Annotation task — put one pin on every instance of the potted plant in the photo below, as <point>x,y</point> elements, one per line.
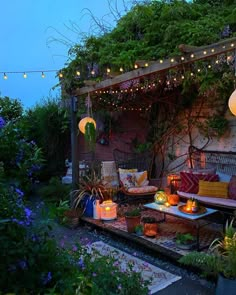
<point>219,262</point>
<point>91,188</point>
<point>185,241</point>
<point>133,218</point>
<point>150,226</point>
<point>139,230</point>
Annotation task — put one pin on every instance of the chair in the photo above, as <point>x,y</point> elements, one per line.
<point>140,162</point>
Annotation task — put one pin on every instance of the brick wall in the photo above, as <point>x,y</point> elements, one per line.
<point>132,125</point>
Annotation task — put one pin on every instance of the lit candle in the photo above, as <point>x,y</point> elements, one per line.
<point>167,204</point>
<point>189,209</point>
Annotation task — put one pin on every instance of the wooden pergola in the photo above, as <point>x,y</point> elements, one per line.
<point>189,54</point>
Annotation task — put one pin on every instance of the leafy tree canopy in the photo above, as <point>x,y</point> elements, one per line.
<point>152,30</point>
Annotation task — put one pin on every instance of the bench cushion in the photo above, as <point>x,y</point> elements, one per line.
<point>228,203</point>
<point>143,189</point>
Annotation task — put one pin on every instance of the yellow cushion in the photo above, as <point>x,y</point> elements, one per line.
<point>127,170</point>
<point>213,189</point>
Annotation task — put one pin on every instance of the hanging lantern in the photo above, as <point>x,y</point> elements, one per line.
<point>232,103</point>
<point>160,197</point>
<point>84,121</point>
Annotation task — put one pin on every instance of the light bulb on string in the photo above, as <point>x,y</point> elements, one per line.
<point>60,75</point>
<point>24,75</point>
<point>121,70</point>
<point>78,73</point>
<point>43,75</point>
<point>5,76</point>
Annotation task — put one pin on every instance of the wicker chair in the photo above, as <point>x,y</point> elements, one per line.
<point>141,162</point>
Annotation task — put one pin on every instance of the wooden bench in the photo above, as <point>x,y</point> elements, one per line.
<point>225,165</point>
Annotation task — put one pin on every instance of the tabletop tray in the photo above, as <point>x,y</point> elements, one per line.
<point>200,211</point>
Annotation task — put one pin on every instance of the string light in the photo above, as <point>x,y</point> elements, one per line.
<point>227,47</point>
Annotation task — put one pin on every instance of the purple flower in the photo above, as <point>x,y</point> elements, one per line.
<point>74,248</point>
<point>94,274</point>
<point>2,122</point>
<point>81,263</point>
<point>47,278</point>
<point>22,264</point>
<point>19,192</point>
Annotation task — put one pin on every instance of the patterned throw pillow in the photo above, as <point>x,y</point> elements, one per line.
<point>190,182</point>
<point>213,189</point>
<point>127,179</point>
<point>232,187</point>
<point>141,178</point>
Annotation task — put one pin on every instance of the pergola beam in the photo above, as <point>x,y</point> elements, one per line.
<point>199,53</point>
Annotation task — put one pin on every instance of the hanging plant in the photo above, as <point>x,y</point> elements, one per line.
<point>90,135</point>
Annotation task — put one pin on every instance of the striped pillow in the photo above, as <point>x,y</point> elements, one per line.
<point>213,189</point>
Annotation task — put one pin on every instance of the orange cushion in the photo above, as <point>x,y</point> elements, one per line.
<point>213,189</point>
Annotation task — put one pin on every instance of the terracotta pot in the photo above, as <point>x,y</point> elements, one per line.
<point>131,222</point>
<point>150,229</point>
<point>173,199</point>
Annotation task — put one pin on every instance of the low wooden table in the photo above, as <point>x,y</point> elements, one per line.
<point>197,219</point>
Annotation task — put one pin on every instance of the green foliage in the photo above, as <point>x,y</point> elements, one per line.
<point>214,126</point>
<point>21,157</point>
<point>150,31</point>
<point>90,135</point>
<point>148,219</point>
<point>55,191</point>
<point>32,262</point>
<point>222,258</point>
<point>184,239</point>
<point>10,109</point>
<point>48,125</point>
<point>133,212</point>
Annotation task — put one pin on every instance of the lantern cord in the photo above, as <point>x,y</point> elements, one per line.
<point>89,106</point>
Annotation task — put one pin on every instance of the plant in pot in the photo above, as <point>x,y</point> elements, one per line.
<point>139,230</point>
<point>150,226</point>
<point>91,188</point>
<point>185,241</point>
<point>219,262</point>
<point>132,218</point>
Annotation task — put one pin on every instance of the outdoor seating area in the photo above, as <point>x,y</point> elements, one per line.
<point>125,181</point>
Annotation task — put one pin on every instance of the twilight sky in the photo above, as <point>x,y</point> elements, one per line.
<point>27,29</point>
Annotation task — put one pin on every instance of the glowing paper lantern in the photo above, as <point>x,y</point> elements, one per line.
<point>84,121</point>
<point>232,103</point>
<point>108,210</point>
